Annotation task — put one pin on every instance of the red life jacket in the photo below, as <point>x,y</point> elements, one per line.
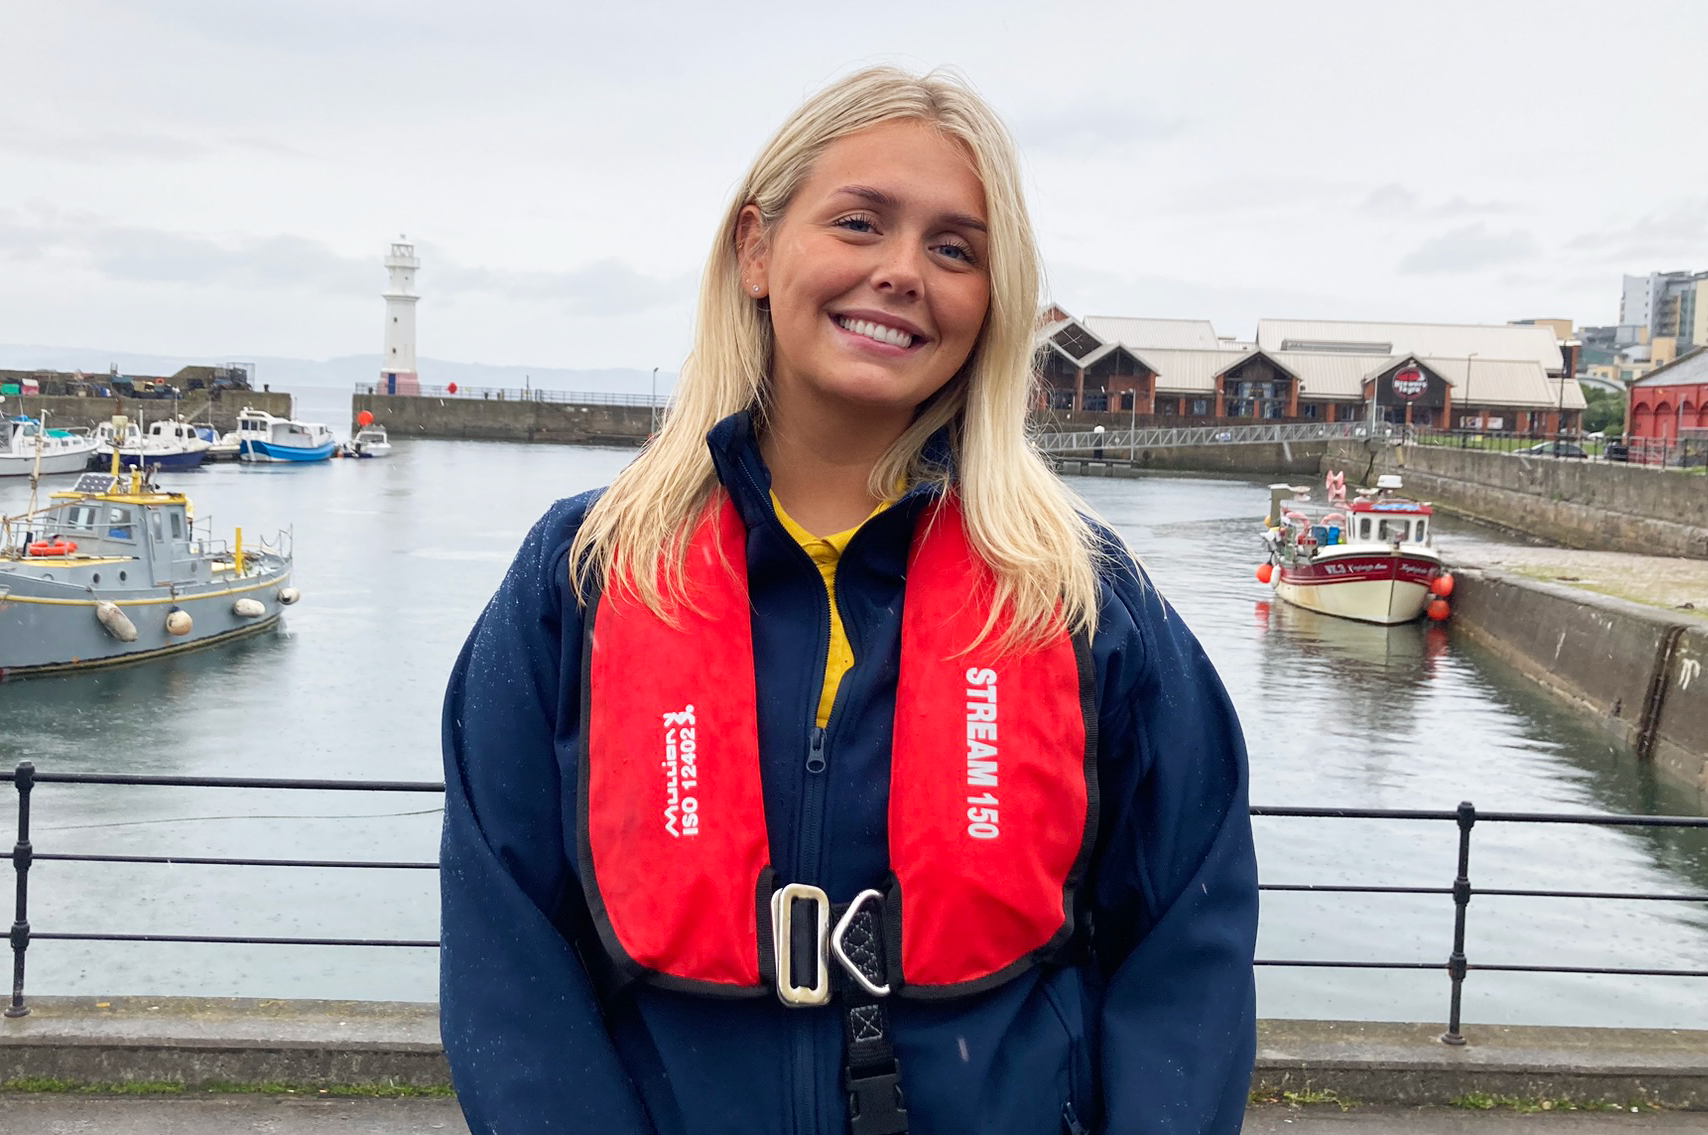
<point>992,806</point>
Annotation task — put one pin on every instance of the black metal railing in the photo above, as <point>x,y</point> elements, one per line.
<point>1457,965</point>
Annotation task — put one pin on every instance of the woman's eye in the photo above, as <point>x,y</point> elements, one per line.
<point>857,224</point>
<point>957,252</point>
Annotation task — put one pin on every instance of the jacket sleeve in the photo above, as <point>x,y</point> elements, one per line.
<point>1175,890</point>
<point>528,1048</point>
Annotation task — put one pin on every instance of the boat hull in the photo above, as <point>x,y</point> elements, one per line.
<point>165,462</point>
<point>48,627</point>
<point>250,449</point>
<point>71,461</point>
<point>1371,585</point>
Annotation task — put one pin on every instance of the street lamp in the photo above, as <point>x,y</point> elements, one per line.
<point>654,404</point>
<point>1468,359</point>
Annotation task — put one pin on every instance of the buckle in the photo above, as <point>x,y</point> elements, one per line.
<point>875,1104</point>
<point>782,939</point>
<point>839,936</point>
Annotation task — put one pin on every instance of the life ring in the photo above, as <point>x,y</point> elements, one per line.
<point>53,547</point>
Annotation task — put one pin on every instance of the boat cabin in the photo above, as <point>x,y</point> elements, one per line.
<point>1388,521</point>
<point>118,520</point>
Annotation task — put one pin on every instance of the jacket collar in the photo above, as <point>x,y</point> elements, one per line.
<point>734,446</point>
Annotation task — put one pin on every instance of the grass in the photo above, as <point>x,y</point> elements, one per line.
<point>1306,1096</point>
<point>1483,1101</point>
<point>222,1087</point>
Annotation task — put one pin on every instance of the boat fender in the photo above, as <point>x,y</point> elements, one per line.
<point>116,622</point>
<point>178,622</point>
<point>289,595</point>
<point>248,608</point>
<point>1438,610</point>
<point>1442,585</point>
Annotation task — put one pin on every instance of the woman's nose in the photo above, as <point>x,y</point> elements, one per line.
<point>900,269</point>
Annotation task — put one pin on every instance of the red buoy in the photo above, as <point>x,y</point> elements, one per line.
<point>1442,585</point>
<point>1438,610</point>
<point>365,418</point>
<point>1265,572</point>
<point>451,389</point>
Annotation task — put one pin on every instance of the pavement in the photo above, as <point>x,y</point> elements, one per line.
<point>1670,582</point>
<point>22,1114</point>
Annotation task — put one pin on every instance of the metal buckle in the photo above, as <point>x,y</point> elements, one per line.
<point>841,932</point>
<point>782,917</point>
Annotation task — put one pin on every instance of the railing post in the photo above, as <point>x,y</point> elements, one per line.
<point>1456,964</point>
<point>21,854</point>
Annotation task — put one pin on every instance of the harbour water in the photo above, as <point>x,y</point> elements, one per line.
<point>396,557</point>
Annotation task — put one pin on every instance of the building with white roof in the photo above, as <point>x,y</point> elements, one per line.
<point>1511,376</point>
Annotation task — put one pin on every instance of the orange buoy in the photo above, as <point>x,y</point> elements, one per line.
<point>1438,610</point>
<point>1442,585</point>
<point>365,418</point>
<point>1265,572</point>
<point>53,547</point>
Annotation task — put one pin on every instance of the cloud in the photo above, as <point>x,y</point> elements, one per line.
<point>1093,126</point>
<point>1395,200</point>
<point>1677,233</point>
<point>1468,248</point>
<point>104,147</point>
<point>605,287</point>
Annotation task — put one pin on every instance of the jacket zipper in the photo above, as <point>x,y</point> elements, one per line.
<point>1070,1121</point>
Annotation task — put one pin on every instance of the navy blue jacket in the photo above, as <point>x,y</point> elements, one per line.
<point>1157,1034</point>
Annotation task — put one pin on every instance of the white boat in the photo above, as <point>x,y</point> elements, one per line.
<point>263,437</point>
<point>176,431</point>
<point>1370,560</point>
<point>370,441</point>
<point>139,451</point>
<point>23,440</point>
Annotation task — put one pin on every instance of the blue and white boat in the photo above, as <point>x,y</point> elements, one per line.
<point>263,437</point>
<point>158,451</point>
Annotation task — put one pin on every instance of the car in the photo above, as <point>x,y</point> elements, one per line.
<point>1554,449</point>
<point>1616,451</point>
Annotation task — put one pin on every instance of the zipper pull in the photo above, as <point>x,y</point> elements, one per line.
<point>1070,1121</point>
<point>815,750</point>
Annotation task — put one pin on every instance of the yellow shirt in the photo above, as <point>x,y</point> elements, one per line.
<point>826,552</point>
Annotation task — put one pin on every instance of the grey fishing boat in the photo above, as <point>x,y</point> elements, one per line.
<point>116,570</point>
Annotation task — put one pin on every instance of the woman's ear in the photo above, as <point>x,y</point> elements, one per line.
<point>752,250</point>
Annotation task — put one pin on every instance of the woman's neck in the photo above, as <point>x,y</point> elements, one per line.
<point>821,469</point>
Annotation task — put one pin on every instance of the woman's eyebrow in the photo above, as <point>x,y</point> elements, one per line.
<point>884,200</point>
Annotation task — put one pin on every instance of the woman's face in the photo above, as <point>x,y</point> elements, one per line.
<point>876,273</point>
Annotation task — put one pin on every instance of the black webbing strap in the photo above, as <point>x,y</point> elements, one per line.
<point>871,1076</point>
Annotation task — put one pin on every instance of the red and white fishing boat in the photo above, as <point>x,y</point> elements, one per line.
<point>1369,560</point>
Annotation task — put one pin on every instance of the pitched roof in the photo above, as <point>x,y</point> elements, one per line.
<point>1165,334</point>
<point>1426,340</point>
<point>1191,372</point>
<point>1684,371</point>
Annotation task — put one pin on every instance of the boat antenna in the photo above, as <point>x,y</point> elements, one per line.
<point>36,470</point>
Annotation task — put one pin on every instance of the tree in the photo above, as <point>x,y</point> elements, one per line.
<point>1605,412</point>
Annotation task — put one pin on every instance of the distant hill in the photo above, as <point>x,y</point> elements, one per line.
<point>343,373</point>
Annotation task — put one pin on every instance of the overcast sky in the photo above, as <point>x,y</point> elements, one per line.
<point>221,177</point>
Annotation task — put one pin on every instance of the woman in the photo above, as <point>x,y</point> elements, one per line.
<point>713,859</point>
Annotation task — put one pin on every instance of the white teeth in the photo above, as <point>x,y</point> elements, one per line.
<point>876,331</point>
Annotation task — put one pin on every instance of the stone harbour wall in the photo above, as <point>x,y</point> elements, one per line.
<point>85,413</point>
<point>1581,504</point>
<point>490,419</point>
<point>1637,670</point>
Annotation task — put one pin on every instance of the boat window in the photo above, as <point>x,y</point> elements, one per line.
<point>1393,529</point>
<point>159,526</point>
<point>81,517</point>
<point>177,526</point>
<point>118,523</point>
<point>1421,526</point>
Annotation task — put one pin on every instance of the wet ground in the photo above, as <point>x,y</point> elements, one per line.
<point>1660,581</point>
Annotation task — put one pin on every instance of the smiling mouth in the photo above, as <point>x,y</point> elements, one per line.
<point>877,332</point>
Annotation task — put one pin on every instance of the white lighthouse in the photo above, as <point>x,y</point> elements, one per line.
<point>397,366</point>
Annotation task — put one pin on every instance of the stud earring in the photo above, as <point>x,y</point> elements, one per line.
<point>756,289</point>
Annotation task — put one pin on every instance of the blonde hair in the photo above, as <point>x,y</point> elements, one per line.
<point>1017,514</point>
